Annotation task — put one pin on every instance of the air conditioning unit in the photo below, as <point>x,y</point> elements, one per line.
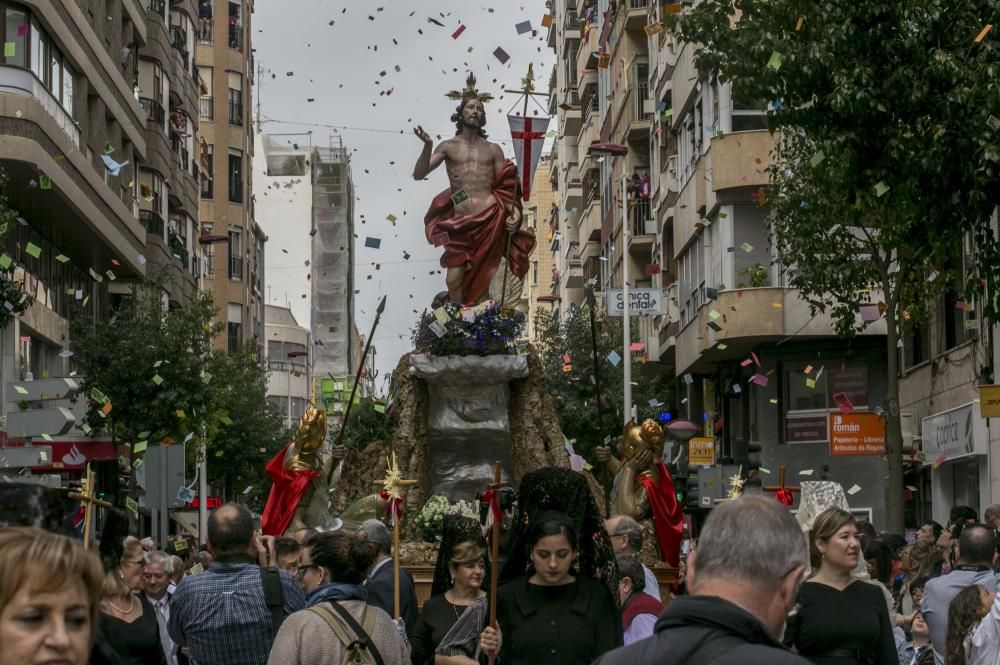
<point>906,424</point>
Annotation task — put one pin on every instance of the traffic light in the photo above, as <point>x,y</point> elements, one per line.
<point>746,454</point>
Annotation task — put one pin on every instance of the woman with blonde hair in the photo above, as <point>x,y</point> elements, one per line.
<point>128,632</point>
<point>49,592</point>
<point>841,620</point>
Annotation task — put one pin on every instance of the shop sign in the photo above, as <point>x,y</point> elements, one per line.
<point>952,434</point>
<point>806,428</point>
<point>701,451</point>
<point>857,434</point>
<point>989,401</point>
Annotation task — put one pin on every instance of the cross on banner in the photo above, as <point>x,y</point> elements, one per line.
<point>528,135</point>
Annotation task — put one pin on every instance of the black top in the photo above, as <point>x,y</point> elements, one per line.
<point>830,624</point>
<point>123,643</point>
<point>435,620</point>
<point>380,587</point>
<point>557,625</point>
<point>690,622</point>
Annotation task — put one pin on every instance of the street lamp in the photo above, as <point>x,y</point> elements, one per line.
<point>619,150</point>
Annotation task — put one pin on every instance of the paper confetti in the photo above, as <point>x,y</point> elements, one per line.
<point>523,27</point>
<point>982,33</point>
<point>854,489</point>
<point>614,358</point>
<point>501,55</point>
<point>746,247</point>
<point>157,379</point>
<point>139,447</point>
<point>806,472</point>
<point>881,188</point>
<point>9,49</point>
<point>373,243</point>
<point>458,33</point>
<point>774,62</point>
<point>32,250</point>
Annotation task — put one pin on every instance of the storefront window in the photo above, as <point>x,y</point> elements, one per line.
<point>814,390</point>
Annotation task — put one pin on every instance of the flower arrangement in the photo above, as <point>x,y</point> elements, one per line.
<point>483,330</point>
<point>432,515</point>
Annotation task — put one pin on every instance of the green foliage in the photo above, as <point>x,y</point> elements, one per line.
<point>13,298</point>
<point>754,276</point>
<point>147,362</point>
<point>367,423</point>
<point>575,393</point>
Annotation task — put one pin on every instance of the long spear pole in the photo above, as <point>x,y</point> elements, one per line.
<point>357,379</point>
<point>592,305</point>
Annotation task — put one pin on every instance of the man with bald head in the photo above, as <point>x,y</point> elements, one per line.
<point>221,615</point>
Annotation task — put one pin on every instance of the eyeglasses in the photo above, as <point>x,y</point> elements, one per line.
<point>141,563</point>
<point>300,572</point>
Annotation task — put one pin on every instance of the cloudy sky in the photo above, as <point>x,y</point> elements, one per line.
<point>372,69</point>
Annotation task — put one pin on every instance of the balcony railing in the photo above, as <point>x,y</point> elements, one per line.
<point>235,113</point>
<point>152,221</point>
<point>236,36</point>
<point>638,4</point>
<point>206,31</point>
<point>154,111</point>
<point>180,253</point>
<point>641,212</point>
<point>205,108</point>
<point>178,39</point>
<point>157,7</point>
<point>236,268</point>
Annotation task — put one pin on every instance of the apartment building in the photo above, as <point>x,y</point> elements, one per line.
<point>166,81</point>
<point>541,285</point>
<point>289,379</point>
<point>233,241</point>
<point>641,127</point>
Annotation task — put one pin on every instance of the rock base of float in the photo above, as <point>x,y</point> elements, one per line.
<point>426,407</point>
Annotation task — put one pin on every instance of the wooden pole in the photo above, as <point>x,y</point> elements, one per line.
<point>393,485</point>
<point>88,501</point>
<point>495,550</point>
<point>396,613</point>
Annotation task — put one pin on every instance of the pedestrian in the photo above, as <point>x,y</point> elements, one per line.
<point>228,615</point>
<point>974,566</point>
<point>147,544</point>
<point>841,620</point>
<point>178,573</point>
<point>155,586</point>
<point>742,579</point>
<point>287,552</point>
<point>626,538</point>
<point>380,581</point>
<point>917,651</point>
<point>973,628</point>
<point>991,515</point>
<point>128,632</point>
<point>639,609</point>
<point>333,567</point>
<point>50,589</point>
<point>457,590</point>
<point>929,531</point>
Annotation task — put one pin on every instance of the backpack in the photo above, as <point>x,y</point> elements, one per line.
<point>357,651</point>
<point>274,595</point>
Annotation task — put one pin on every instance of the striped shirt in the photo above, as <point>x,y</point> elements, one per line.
<point>221,615</point>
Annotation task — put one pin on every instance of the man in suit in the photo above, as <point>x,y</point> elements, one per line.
<point>156,577</point>
<point>380,583</point>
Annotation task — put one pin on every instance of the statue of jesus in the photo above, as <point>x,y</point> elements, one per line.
<point>478,219</point>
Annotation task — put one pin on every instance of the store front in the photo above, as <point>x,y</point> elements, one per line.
<point>955,445</point>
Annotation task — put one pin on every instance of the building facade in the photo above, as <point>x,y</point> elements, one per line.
<point>232,240</point>
<point>289,380</point>
<point>658,165</point>
<point>541,285</point>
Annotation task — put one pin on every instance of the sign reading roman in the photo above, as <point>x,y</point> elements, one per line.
<point>857,434</point>
<point>642,302</point>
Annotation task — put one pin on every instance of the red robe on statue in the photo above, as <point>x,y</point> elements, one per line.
<point>667,515</point>
<point>287,490</point>
<point>480,239</point>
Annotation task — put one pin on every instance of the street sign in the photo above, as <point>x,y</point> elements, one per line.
<point>25,456</point>
<point>36,422</point>
<point>43,389</point>
<point>642,302</point>
<point>701,451</point>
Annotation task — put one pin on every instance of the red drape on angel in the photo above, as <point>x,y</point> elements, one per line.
<point>287,490</point>
<point>480,239</point>
<point>667,515</point>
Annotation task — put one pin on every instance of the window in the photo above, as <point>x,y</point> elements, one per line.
<point>916,344</point>
<point>691,267</point>
<point>747,113</point>
<point>208,250</point>
<point>16,36</point>
<point>39,50</point>
<point>235,254</point>
<point>235,98</point>
<point>235,26</point>
<point>641,90</point>
<point>813,390</point>
<point>206,82</point>
<point>234,333</point>
<point>208,163</point>
<point>235,175</point>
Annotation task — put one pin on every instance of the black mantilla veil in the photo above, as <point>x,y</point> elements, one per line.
<point>455,530</point>
<point>560,490</point>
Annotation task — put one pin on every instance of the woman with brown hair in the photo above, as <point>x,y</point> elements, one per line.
<point>128,632</point>
<point>841,620</point>
<point>973,628</point>
<point>49,592</point>
<point>458,588</point>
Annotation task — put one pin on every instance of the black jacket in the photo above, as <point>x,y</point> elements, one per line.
<point>688,621</point>
<point>380,594</point>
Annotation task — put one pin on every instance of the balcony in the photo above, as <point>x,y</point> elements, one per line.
<point>152,221</point>
<point>236,37</point>
<point>572,113</point>
<point>17,81</point>
<point>236,268</point>
<point>592,272</point>
<point>590,221</point>
<point>735,159</point>
<point>637,15</point>
<point>206,31</point>
<point>236,113</point>
<point>157,7</point>
<point>571,26</point>
<point>154,111</point>
<point>206,107</point>
<point>179,40</point>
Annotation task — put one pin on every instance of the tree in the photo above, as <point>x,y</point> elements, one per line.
<point>574,392</point>
<point>150,374</point>
<point>367,423</point>
<point>887,156</point>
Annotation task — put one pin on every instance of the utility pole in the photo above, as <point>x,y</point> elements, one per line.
<point>627,314</point>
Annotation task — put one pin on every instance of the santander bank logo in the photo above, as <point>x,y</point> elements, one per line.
<point>74,457</point>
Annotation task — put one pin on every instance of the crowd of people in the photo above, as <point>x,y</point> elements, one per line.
<point>572,589</point>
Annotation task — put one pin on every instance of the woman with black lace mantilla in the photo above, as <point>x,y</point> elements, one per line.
<point>456,594</point>
<point>557,601</point>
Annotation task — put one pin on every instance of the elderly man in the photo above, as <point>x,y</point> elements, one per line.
<point>155,580</point>
<point>977,552</point>
<point>626,538</point>
<point>380,584</point>
<point>743,578</point>
<point>991,515</point>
